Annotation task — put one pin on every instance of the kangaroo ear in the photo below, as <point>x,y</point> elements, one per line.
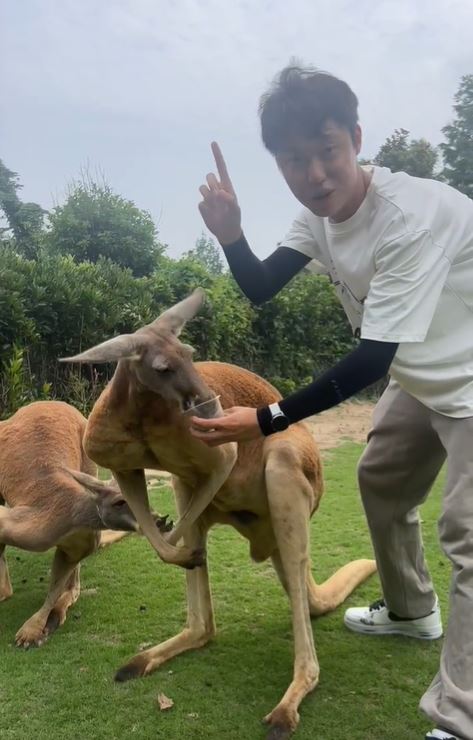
<point>99,488</point>
<point>123,347</point>
<point>176,317</point>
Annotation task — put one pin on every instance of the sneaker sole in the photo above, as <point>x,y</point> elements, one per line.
<point>366,629</point>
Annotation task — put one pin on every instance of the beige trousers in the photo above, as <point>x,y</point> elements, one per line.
<point>406,449</point>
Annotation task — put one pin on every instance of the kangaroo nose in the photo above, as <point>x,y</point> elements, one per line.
<point>187,403</point>
<point>207,409</point>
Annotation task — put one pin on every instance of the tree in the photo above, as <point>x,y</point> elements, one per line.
<point>458,150</point>
<point>417,157</point>
<point>208,255</point>
<point>95,222</point>
<point>25,220</point>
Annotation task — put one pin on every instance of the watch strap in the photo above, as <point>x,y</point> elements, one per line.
<point>265,418</point>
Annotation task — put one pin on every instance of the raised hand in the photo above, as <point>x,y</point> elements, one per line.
<point>219,207</point>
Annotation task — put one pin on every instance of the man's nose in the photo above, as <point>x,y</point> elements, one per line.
<point>316,172</point>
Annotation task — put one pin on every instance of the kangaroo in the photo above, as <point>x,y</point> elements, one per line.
<point>266,489</point>
<point>45,505</point>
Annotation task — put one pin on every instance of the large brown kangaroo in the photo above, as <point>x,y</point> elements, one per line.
<point>267,489</point>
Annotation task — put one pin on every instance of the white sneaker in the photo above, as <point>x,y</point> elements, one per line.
<point>376,619</point>
<point>438,734</point>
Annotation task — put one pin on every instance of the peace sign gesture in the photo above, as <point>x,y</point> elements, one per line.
<point>219,207</point>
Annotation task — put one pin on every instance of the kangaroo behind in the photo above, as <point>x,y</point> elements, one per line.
<point>46,506</point>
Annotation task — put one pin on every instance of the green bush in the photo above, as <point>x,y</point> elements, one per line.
<point>54,307</point>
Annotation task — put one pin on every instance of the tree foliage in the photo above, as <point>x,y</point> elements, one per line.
<point>95,222</point>
<point>208,254</point>
<point>457,151</point>
<point>417,157</point>
<point>25,220</point>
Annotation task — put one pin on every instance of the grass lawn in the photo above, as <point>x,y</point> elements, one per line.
<point>369,687</point>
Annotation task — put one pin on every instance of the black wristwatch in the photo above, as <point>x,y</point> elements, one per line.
<point>279,421</point>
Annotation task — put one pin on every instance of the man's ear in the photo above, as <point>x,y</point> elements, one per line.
<point>357,138</point>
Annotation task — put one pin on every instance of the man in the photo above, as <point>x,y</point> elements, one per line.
<point>399,251</point>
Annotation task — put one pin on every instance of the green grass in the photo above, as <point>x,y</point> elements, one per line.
<point>369,687</point>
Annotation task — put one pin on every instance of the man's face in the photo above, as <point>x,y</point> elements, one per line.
<point>322,172</point>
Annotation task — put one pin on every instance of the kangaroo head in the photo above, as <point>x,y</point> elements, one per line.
<point>113,511</point>
<point>157,359</point>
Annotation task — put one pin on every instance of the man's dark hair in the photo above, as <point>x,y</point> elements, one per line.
<point>300,101</point>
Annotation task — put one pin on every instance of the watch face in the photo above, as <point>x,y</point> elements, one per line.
<point>280,423</point>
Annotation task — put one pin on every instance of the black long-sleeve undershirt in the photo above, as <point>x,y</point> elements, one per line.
<point>369,362</point>
<point>260,280</point>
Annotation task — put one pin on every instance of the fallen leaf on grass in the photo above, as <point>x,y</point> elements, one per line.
<point>164,702</point>
<point>145,646</point>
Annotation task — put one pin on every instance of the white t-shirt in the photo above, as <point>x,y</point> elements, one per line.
<point>402,267</point>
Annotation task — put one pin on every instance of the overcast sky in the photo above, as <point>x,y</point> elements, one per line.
<point>136,89</point>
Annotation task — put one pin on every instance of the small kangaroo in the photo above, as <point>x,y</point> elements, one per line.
<point>46,505</point>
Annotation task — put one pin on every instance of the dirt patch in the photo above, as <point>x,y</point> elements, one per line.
<point>349,421</point>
